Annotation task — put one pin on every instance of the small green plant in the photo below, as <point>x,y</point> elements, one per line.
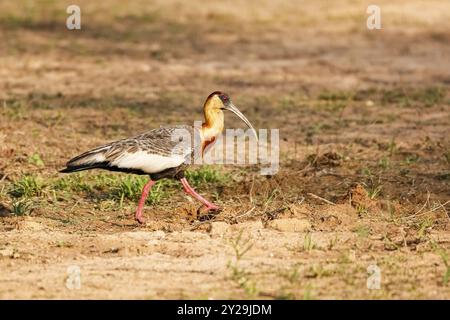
<point>374,192</point>
<point>444,256</point>
<point>63,244</point>
<point>27,186</point>
<point>117,187</point>
<point>430,96</point>
<point>317,271</point>
<point>242,278</point>
<point>332,243</point>
<point>308,243</point>
<point>335,96</point>
<point>373,186</point>
<point>292,275</point>
<point>15,109</point>
<point>205,174</point>
<point>334,106</point>
<point>397,96</point>
<point>238,274</point>
<point>424,225</point>
<point>274,193</point>
<point>411,159</point>
<point>22,208</point>
<point>392,147</point>
<point>361,210</point>
<point>241,245</point>
<point>363,231</point>
<point>36,160</point>
<point>157,193</point>
<point>131,188</point>
<point>307,293</point>
<point>73,183</point>
<point>384,163</point>
<point>367,172</point>
<point>407,98</point>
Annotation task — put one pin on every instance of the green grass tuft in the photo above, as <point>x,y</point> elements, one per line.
<point>22,208</point>
<point>335,96</point>
<point>118,187</point>
<point>445,260</point>
<point>36,160</point>
<point>205,174</point>
<point>130,188</point>
<point>430,96</point>
<point>407,98</point>
<point>27,186</point>
<point>73,183</point>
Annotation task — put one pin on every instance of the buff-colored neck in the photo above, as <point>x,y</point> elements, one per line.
<point>214,120</point>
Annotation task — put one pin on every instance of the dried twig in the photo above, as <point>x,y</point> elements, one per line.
<point>246,213</point>
<point>424,205</point>
<point>4,177</point>
<point>320,198</point>
<point>434,209</point>
<point>418,214</point>
<point>250,193</point>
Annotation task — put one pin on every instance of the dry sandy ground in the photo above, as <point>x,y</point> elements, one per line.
<point>364,180</point>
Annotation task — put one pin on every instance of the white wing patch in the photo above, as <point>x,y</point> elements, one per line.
<point>149,163</point>
<point>89,159</point>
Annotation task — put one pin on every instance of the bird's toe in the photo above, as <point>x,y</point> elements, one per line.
<point>208,212</point>
<point>141,220</point>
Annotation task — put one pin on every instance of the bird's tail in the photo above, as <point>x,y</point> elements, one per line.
<point>91,159</point>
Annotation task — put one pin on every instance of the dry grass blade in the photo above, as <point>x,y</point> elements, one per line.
<point>320,198</point>
<point>424,205</point>
<point>246,213</point>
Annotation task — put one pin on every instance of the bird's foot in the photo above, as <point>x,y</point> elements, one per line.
<point>139,218</point>
<point>208,212</point>
<point>213,207</point>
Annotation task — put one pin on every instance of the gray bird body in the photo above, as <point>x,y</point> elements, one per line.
<point>164,152</point>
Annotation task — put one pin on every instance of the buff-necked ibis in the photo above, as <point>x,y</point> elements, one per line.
<point>158,154</point>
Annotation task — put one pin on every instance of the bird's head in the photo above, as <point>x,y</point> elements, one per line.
<point>219,101</point>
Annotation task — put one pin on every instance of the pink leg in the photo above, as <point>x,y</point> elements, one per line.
<point>141,204</point>
<point>191,191</point>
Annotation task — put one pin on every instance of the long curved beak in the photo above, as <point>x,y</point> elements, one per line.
<point>231,107</point>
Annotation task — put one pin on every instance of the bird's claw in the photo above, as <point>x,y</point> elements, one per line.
<point>140,219</point>
<point>213,208</point>
<point>208,213</point>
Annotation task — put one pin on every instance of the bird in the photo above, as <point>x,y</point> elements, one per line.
<point>164,152</point>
